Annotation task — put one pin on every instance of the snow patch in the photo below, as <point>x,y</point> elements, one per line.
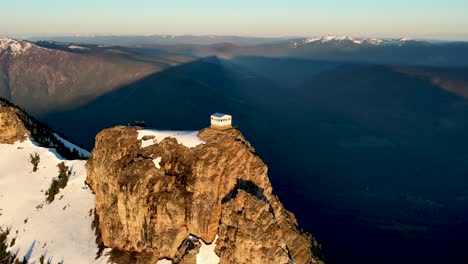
<point>77,47</point>
<point>61,229</point>
<point>164,261</point>
<point>207,254</point>
<point>309,40</point>
<point>375,41</point>
<point>189,139</point>
<point>69,145</point>
<point>156,162</point>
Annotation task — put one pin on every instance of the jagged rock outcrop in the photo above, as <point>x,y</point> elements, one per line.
<point>13,123</point>
<point>17,125</point>
<point>219,188</point>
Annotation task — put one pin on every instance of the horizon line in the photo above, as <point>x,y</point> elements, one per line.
<point>92,35</point>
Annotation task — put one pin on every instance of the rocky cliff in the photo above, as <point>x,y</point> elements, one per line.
<point>17,125</point>
<point>14,123</point>
<point>157,201</point>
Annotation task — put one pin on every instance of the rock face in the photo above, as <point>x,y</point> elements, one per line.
<point>13,124</point>
<point>219,188</point>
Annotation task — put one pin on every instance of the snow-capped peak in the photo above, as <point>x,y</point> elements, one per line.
<point>375,41</point>
<point>329,38</point>
<point>13,46</point>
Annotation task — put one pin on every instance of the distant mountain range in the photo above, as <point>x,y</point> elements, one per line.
<point>340,49</point>
<point>160,39</point>
<point>344,39</point>
<point>368,129</point>
<point>136,40</point>
<point>337,48</point>
<point>46,76</point>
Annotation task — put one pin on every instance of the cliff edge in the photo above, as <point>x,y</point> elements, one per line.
<point>14,124</point>
<point>163,200</point>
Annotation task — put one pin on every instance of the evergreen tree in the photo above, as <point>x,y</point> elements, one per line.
<point>34,160</point>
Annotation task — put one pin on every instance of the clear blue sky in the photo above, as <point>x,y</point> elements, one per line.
<point>438,19</point>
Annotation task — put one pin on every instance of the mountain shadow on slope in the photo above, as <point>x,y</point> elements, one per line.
<point>366,148</point>
<point>181,98</point>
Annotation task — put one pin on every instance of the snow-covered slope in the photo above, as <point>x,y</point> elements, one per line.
<point>62,229</point>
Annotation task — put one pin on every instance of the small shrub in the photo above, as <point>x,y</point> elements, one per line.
<point>63,175</point>
<point>12,242</point>
<point>35,159</point>
<point>52,191</point>
<point>43,261</point>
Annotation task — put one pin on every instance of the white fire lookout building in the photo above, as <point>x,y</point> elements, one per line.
<point>219,120</point>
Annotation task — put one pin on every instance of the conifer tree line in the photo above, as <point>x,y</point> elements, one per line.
<point>42,134</point>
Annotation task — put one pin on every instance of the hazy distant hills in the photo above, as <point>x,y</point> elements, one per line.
<point>336,48</point>
<point>452,79</point>
<point>407,52</point>
<point>159,39</point>
<point>47,76</point>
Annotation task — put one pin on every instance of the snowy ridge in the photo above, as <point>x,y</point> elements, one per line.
<point>355,40</point>
<point>18,47</point>
<point>70,146</point>
<point>60,230</point>
<point>14,47</point>
<point>189,139</point>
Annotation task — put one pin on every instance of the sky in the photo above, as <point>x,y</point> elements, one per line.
<point>430,19</point>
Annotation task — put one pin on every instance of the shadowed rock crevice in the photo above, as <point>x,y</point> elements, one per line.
<point>247,186</point>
